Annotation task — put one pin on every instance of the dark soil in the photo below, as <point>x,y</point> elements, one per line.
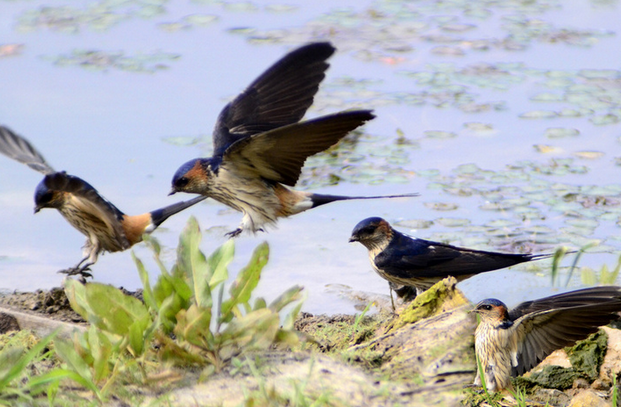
<point>52,303</point>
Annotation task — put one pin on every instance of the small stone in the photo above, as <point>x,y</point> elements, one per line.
<point>580,384</point>
<point>601,385</point>
<point>36,305</point>
<point>588,398</point>
<point>8,323</point>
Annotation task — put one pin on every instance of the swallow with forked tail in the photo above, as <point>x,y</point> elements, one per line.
<point>260,145</point>
<point>510,343</point>
<point>407,261</point>
<point>106,228</point>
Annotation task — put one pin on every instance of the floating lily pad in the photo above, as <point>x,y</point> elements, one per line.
<point>452,222</point>
<point>441,206</point>
<point>103,60</point>
<point>583,223</point>
<point>414,224</point>
<point>539,114</point>
<point>560,132</point>
<point>601,120</point>
<point>495,206</point>
<point>589,155</point>
<point>500,223</point>
<point>547,149</point>
<point>281,8</point>
<point>201,20</point>
<point>547,97</point>
<point>440,134</point>
<point>479,127</point>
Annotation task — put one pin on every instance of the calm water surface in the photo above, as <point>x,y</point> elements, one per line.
<point>429,71</point>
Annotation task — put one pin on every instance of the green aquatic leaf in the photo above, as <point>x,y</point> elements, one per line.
<point>414,224</point>
<point>601,120</point>
<point>560,132</point>
<point>452,222</point>
<point>441,206</point>
<point>201,20</point>
<point>539,114</point>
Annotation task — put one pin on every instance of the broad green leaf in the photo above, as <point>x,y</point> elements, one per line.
<point>67,352</point>
<point>292,316</point>
<point>193,325</point>
<point>168,311</point>
<point>147,291</point>
<point>259,303</point>
<point>101,349</point>
<point>76,294</point>
<point>219,261</point>
<point>136,338</point>
<point>290,338</point>
<point>256,330</point>
<point>170,351</point>
<point>179,281</point>
<point>162,289</point>
<point>193,263</point>
<point>245,283</point>
<point>286,298</point>
<point>115,310</point>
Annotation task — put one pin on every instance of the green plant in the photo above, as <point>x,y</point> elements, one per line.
<point>268,395</point>
<point>604,276</point>
<point>615,391</point>
<point>476,398</point>
<point>180,314</point>
<point>360,317</point>
<point>15,384</point>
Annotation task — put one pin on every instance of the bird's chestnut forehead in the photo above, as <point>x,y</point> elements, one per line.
<point>191,170</point>
<point>496,306</point>
<point>375,222</point>
<point>492,302</point>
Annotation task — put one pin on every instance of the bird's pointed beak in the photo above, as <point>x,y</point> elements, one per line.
<point>172,192</point>
<point>353,238</point>
<point>37,209</point>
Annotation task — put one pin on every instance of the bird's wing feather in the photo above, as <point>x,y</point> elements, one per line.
<point>19,149</point>
<point>90,198</point>
<point>427,258</point>
<point>279,154</point>
<point>406,257</point>
<point>551,323</point>
<point>280,96</point>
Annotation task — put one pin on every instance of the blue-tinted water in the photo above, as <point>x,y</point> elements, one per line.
<point>109,127</point>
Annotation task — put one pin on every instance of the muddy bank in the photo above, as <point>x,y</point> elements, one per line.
<point>423,356</point>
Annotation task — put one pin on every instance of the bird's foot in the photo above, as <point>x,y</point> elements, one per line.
<point>233,233</point>
<point>75,271</point>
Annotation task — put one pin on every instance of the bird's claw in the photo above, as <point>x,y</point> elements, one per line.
<point>233,233</point>
<point>74,271</point>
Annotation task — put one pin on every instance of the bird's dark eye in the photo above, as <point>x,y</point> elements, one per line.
<point>46,198</point>
<point>368,230</point>
<point>182,182</point>
<point>487,307</point>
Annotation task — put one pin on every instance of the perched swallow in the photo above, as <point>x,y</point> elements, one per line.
<point>407,261</point>
<point>105,226</point>
<point>510,343</point>
<point>260,145</point>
